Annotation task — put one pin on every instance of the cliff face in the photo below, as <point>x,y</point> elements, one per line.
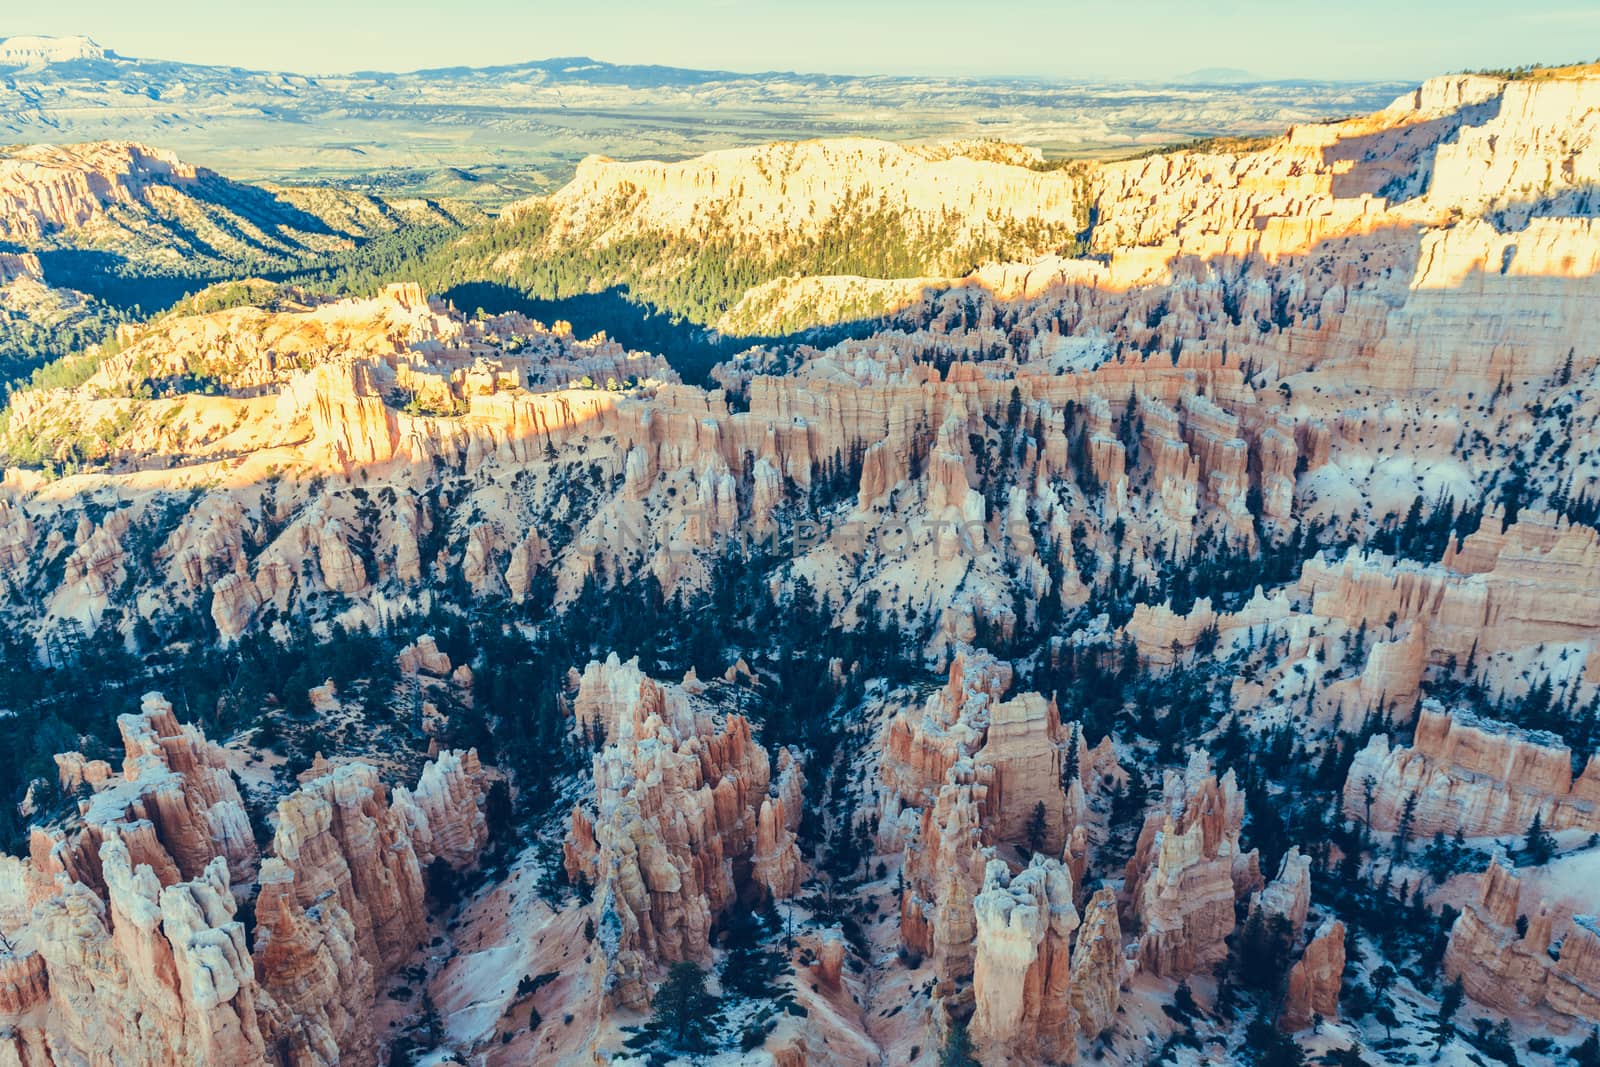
<point>150,206</point>
<point>1288,896</point>
<point>1025,745</point>
<point>126,940</point>
<point>1515,973</point>
<point>443,815</point>
<point>156,215</point>
<point>791,188</point>
<point>938,796</point>
<point>1480,777</point>
<point>345,843</point>
<point>1497,589</point>
<point>1017,751</point>
<point>150,974</point>
<point>44,189</point>
<point>681,796</point>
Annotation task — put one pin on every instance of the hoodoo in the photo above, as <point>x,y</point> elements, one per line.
<point>747,571</point>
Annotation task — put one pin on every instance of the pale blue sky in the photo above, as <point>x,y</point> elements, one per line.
<point>1100,39</point>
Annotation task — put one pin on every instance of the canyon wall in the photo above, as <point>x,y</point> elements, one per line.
<point>1514,972</point>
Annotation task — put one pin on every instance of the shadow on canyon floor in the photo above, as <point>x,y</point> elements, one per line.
<point>691,350</point>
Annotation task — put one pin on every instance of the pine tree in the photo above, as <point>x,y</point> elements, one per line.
<point>1261,954</point>
<point>1539,846</point>
<point>1402,832</point>
<point>1272,1048</point>
<point>957,1048</point>
<point>1449,1004</point>
<point>1069,760</point>
<point>752,969</point>
<point>1438,860</point>
<point>1037,828</point>
<point>683,1011</point>
<point>1383,980</point>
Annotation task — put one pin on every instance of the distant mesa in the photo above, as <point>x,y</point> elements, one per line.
<point>42,51</point>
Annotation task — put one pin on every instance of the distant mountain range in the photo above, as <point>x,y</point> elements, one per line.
<point>494,133</point>
<point>1218,76</point>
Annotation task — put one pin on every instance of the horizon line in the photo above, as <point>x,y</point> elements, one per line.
<point>1177,80</point>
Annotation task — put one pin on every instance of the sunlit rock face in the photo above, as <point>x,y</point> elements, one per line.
<point>793,187</point>
<point>1300,330</point>
<point>1269,357</point>
<point>46,189</point>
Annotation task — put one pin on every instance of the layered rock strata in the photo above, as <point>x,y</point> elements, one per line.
<point>1188,870</point>
<point>1475,776</point>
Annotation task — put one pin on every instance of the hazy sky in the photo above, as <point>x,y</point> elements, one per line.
<point>1136,39</point>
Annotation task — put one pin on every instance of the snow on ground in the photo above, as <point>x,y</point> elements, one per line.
<point>1330,491</point>
<point>492,953</point>
<point>1351,481</point>
<point>508,933</point>
<point>1067,355</point>
<point>1570,882</point>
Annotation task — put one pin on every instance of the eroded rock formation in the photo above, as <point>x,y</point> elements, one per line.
<point>1187,871</point>
<point>1315,979</point>
<point>1288,896</point>
<point>1098,965</point>
<point>681,793</point>
<point>1022,976</point>
<point>124,924</point>
<point>1271,344</point>
<point>942,806</point>
<point>1512,971</point>
<point>1479,777</point>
